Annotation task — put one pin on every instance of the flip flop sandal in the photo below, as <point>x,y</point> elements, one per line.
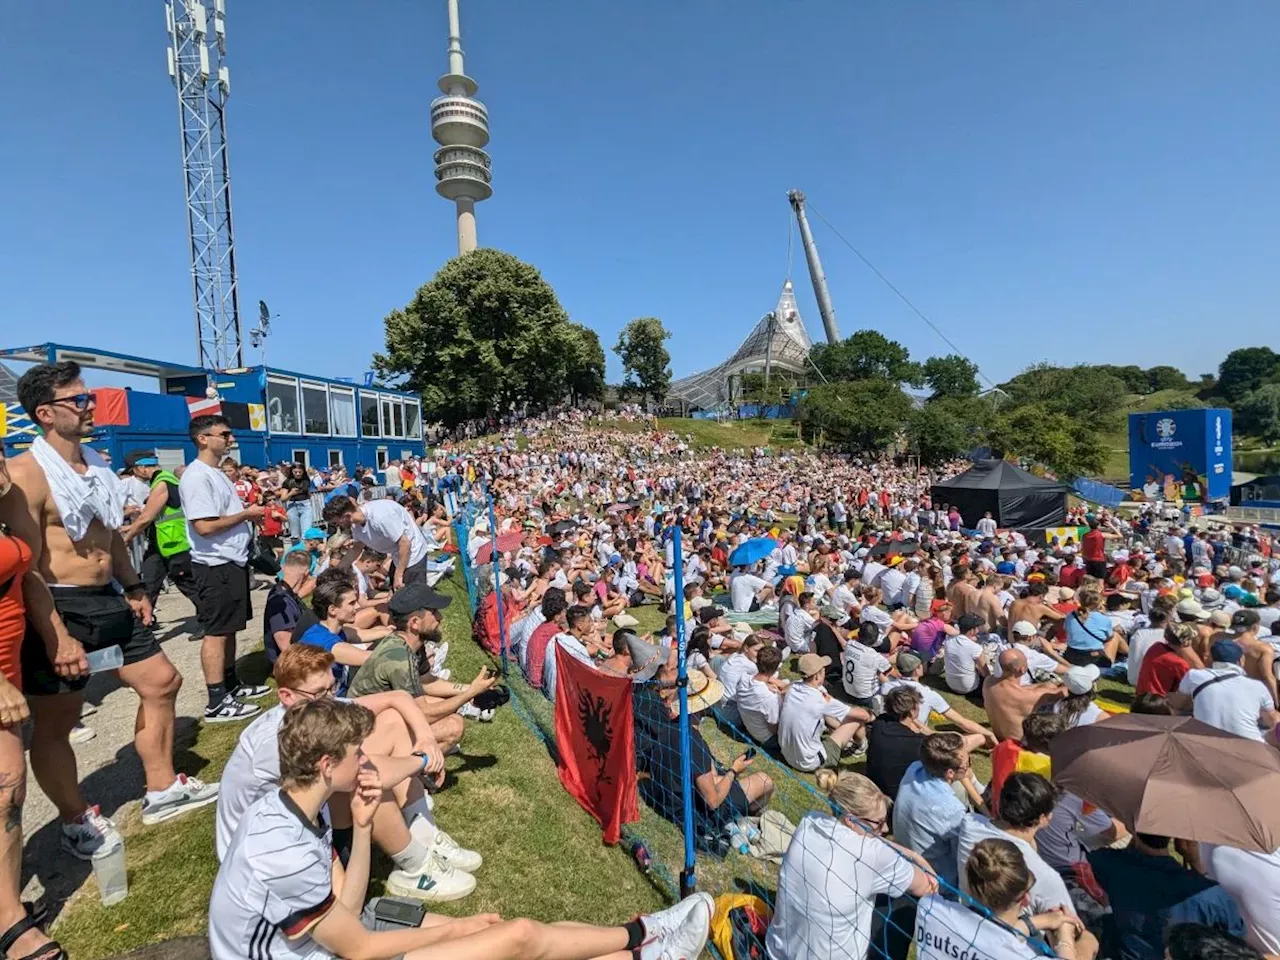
<point>50,951</point>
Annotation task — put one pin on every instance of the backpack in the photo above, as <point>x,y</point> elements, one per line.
<point>739,925</point>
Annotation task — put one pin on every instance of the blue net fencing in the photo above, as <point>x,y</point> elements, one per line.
<point>797,872</point>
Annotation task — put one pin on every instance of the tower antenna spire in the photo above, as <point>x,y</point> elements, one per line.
<point>460,124</point>
<point>819,279</point>
<point>197,52</point>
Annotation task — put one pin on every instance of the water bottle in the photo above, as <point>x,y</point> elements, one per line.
<point>108,658</point>
<point>109,870</point>
<point>640,854</point>
<point>738,838</point>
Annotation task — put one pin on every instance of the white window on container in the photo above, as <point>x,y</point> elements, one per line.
<point>397,414</point>
<point>381,458</point>
<point>369,415</point>
<point>342,412</point>
<point>388,423</point>
<point>301,456</point>
<point>412,420</point>
<point>335,458</point>
<point>282,405</point>
<point>315,409</point>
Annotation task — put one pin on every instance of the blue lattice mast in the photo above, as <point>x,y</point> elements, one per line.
<point>196,65</point>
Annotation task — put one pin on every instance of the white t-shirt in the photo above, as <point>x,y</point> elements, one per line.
<point>987,527</point>
<point>877,615</point>
<point>742,591</point>
<point>1048,891</point>
<point>207,494</point>
<point>1253,881</point>
<point>572,646</point>
<point>959,659</point>
<point>802,723</point>
<point>931,700</point>
<point>827,887</point>
<point>843,598</point>
<point>274,886</point>
<point>1233,705</point>
<point>759,706</point>
<point>735,673</point>
<point>946,930</point>
<point>251,773</point>
<point>1141,641</point>
<point>860,669</point>
<point>871,570</point>
<point>385,522</point>
<point>1092,713</point>
<point>799,630</point>
<point>891,583</point>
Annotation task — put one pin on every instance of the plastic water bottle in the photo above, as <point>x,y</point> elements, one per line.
<point>738,838</point>
<point>108,658</point>
<point>640,854</point>
<point>109,870</point>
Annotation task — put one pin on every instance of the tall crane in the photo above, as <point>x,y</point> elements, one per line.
<point>197,50</point>
<point>820,290</point>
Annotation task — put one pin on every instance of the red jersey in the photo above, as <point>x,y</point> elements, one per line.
<point>1162,670</point>
<point>15,560</point>
<point>247,492</point>
<point>1070,577</point>
<point>539,640</point>
<point>273,521</point>
<point>1093,546</point>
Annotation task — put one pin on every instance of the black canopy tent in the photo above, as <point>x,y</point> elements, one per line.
<point>1016,499</point>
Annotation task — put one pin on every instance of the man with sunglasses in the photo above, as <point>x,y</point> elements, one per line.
<point>220,529</point>
<point>82,595</point>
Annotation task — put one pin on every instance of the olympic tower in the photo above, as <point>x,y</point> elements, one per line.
<point>460,124</point>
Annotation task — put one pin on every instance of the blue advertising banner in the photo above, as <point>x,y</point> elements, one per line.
<point>1186,453</point>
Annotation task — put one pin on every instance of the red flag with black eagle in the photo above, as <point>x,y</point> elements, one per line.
<point>595,737</point>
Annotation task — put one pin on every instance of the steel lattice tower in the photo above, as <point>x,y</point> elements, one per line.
<point>196,65</point>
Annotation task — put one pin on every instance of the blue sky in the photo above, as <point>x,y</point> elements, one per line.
<point>1054,180</point>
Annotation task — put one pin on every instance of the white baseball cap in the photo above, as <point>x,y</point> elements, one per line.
<point>1024,628</point>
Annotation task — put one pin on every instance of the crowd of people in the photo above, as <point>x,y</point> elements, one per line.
<point>828,650</point>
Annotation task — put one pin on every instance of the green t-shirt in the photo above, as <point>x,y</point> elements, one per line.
<point>391,666</point>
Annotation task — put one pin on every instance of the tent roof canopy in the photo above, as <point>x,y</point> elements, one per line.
<point>999,475</point>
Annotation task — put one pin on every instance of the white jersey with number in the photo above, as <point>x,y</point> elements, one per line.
<point>946,930</point>
<point>275,885</point>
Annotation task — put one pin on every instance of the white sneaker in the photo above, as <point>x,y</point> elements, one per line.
<point>444,674</point>
<point>469,711</point>
<point>438,658</point>
<point>231,710</point>
<point>186,794</point>
<point>447,849</point>
<point>679,932</point>
<point>82,734</point>
<point>88,834</point>
<point>436,882</point>
<point>249,691</point>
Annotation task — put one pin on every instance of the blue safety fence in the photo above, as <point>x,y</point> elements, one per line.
<point>812,867</point>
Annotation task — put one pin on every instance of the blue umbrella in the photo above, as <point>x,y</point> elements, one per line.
<point>753,551</point>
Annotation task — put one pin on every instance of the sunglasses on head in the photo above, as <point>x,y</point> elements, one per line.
<point>80,401</point>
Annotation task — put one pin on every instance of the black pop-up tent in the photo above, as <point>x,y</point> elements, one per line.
<point>1014,497</point>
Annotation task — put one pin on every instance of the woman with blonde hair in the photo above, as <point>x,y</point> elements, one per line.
<point>996,921</point>
<point>1092,636</point>
<point>840,876</point>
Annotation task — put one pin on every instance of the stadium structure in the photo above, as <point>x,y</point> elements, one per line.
<point>779,342</point>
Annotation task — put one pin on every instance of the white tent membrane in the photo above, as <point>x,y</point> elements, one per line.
<point>8,385</point>
<point>788,351</point>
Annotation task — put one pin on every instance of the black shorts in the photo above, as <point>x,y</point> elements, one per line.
<point>98,617</point>
<point>416,573</point>
<point>222,598</point>
<point>1083,658</point>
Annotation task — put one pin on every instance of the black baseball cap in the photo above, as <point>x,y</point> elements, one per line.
<point>970,622</point>
<point>707,614</point>
<point>414,597</point>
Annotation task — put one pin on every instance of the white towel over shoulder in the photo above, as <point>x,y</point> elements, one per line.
<point>79,499</point>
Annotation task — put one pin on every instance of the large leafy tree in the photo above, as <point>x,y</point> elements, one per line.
<point>1069,446</point>
<point>951,376</point>
<point>486,332</point>
<point>1084,392</point>
<point>863,416</point>
<point>1166,378</point>
<point>586,364</point>
<point>645,360</point>
<point>1244,370</point>
<point>1259,413</point>
<point>866,355</point>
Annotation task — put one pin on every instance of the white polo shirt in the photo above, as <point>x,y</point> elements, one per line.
<point>207,494</point>
<point>860,669</point>
<point>1233,705</point>
<point>274,886</point>
<point>959,659</point>
<point>252,772</point>
<point>385,522</point>
<point>827,887</point>
<point>759,706</point>
<point>931,700</point>
<point>803,720</point>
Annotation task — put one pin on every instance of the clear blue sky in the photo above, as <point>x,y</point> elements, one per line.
<point>1061,181</point>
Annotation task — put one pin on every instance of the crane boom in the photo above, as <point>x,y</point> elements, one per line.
<point>819,279</point>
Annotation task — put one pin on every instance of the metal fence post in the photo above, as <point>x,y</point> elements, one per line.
<point>688,880</point>
<point>497,581</point>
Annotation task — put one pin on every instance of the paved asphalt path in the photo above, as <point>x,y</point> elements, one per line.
<point>110,772</point>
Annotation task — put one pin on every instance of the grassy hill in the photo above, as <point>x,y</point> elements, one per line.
<point>778,434</point>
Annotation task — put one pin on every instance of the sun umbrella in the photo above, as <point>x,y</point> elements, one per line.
<point>753,551</point>
<point>1175,777</point>
<point>561,527</point>
<point>890,548</point>
<point>506,543</point>
<point>618,508</point>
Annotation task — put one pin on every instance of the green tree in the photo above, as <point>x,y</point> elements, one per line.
<point>1166,378</point>
<point>645,361</point>
<point>866,355</point>
<point>951,376</point>
<point>1244,370</point>
<point>1133,377</point>
<point>1258,414</point>
<point>585,371</point>
<point>486,332</point>
<point>935,433</point>
<point>1069,447</point>
<point>862,416</point>
<point>1083,392</point>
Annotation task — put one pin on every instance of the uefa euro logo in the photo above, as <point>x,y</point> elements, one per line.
<point>1166,428</point>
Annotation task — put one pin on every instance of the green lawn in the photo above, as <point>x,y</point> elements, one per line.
<point>732,434</point>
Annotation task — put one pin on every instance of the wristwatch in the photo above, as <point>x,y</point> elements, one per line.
<point>425,760</point>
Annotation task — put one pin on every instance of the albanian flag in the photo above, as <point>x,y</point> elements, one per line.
<point>596,740</point>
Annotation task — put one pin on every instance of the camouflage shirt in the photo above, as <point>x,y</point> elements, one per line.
<point>391,666</point>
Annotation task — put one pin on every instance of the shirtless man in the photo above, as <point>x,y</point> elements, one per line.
<point>1259,656</point>
<point>1008,702</point>
<point>74,607</point>
<point>1033,609</point>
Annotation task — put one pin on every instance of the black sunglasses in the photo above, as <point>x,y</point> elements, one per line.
<point>221,434</point>
<point>80,401</point>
